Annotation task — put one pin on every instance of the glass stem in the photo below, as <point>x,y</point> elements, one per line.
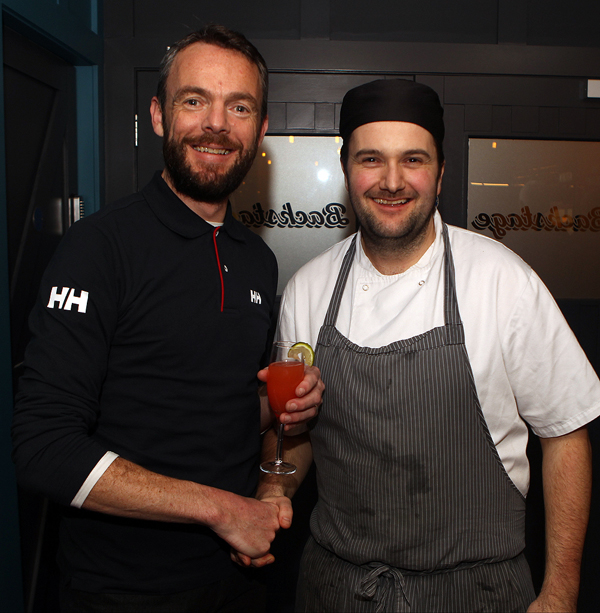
<point>278,454</point>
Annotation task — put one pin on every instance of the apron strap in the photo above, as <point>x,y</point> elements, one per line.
<point>336,298</point>
<point>451,312</point>
<point>371,588</point>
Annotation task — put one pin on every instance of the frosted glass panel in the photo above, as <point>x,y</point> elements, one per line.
<point>294,197</point>
<point>542,200</point>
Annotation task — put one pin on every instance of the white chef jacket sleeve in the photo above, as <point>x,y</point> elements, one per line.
<point>556,388</point>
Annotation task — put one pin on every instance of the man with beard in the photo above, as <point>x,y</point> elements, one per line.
<point>139,408</point>
<point>436,346</point>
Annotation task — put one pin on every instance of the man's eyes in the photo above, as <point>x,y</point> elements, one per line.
<point>409,161</point>
<point>240,109</point>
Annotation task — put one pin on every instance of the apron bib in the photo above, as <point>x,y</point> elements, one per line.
<point>415,509</point>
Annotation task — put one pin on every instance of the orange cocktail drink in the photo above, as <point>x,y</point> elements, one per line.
<point>282,380</point>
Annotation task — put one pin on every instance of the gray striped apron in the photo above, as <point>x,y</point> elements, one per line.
<point>416,511</point>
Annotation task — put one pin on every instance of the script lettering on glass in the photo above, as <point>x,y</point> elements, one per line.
<point>556,220</point>
<point>331,216</point>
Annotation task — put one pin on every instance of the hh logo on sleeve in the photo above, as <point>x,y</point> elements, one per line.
<point>66,298</point>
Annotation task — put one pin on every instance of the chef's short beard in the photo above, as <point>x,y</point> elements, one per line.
<point>406,237</point>
<point>208,184</point>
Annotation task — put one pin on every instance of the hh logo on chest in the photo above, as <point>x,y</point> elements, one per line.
<point>66,298</point>
<point>255,297</point>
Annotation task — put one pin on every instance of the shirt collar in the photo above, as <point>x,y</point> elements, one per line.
<point>178,217</point>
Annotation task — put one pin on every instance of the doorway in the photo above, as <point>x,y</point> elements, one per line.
<point>41,171</point>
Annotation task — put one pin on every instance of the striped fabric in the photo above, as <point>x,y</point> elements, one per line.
<point>329,584</point>
<point>410,483</point>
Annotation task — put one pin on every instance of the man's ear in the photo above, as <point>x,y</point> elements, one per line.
<point>157,117</point>
<point>263,129</point>
<point>345,175</point>
<point>439,185</point>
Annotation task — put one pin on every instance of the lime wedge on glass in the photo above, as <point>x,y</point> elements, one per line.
<point>302,351</point>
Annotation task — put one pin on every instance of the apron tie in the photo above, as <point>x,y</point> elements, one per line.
<point>371,585</point>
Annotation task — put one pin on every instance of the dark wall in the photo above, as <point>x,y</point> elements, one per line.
<point>496,69</point>
<point>532,22</point>
<point>502,68</point>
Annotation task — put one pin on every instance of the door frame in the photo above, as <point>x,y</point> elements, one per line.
<point>52,27</point>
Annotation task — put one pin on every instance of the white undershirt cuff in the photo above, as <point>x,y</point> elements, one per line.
<point>107,459</point>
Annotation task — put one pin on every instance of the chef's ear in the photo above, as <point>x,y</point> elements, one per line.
<point>344,163</point>
<point>439,182</point>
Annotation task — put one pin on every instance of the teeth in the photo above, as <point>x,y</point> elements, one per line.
<point>390,202</point>
<point>211,150</point>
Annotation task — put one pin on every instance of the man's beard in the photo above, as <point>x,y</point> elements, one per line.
<point>406,237</point>
<point>210,183</point>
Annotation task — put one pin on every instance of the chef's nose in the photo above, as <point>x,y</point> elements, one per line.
<point>393,178</point>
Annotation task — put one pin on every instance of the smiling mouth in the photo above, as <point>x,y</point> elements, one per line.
<point>211,150</point>
<point>391,202</point>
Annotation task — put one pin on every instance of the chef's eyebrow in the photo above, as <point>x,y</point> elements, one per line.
<point>378,152</point>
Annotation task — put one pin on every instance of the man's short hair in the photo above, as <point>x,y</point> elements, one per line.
<point>220,36</point>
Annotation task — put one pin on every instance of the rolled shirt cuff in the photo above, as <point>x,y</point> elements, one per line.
<point>107,459</point>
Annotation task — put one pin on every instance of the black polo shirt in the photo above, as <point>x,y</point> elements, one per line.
<point>147,336</point>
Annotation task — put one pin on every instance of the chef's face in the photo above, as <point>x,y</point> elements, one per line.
<point>393,178</point>
<point>211,122</point>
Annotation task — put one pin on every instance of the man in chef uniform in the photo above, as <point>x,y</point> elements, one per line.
<point>436,345</point>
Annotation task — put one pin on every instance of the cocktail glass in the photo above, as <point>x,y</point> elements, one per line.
<point>284,376</point>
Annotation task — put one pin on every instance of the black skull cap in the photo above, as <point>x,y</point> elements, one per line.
<point>392,100</point>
